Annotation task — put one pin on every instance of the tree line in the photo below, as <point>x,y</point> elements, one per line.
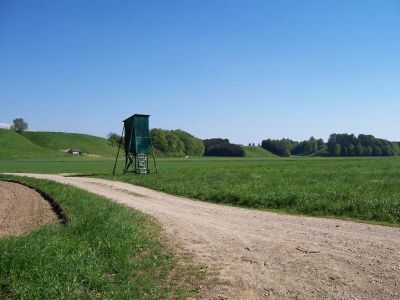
<point>168,142</point>
<point>176,142</point>
<point>222,147</point>
<point>337,145</point>
<point>281,147</point>
<point>363,145</point>
<point>287,147</point>
<point>179,143</point>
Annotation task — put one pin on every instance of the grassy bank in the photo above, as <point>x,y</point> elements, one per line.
<point>64,140</point>
<point>104,251</point>
<point>253,151</point>
<point>50,145</point>
<point>14,145</point>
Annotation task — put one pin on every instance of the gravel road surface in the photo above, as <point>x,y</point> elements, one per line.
<point>265,255</point>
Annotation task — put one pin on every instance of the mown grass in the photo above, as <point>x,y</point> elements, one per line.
<point>69,164</point>
<point>366,189</point>
<point>104,251</point>
<point>14,145</point>
<point>253,151</point>
<point>64,140</point>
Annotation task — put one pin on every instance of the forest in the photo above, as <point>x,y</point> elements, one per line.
<point>222,147</point>
<point>176,142</point>
<point>337,145</point>
<point>181,143</point>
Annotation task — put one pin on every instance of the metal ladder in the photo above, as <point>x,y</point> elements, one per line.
<point>142,164</point>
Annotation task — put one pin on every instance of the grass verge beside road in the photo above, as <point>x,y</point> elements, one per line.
<point>104,251</point>
<point>366,189</point>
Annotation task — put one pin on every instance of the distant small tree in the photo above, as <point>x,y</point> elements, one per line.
<point>159,140</point>
<point>336,150</point>
<point>359,149</point>
<point>113,138</point>
<point>377,150</point>
<point>351,150</point>
<point>367,151</point>
<point>387,149</point>
<point>320,143</point>
<point>312,145</point>
<point>192,145</point>
<point>19,125</point>
<point>198,147</point>
<point>396,148</point>
<point>175,144</point>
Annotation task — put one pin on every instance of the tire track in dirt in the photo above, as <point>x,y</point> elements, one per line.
<point>265,255</point>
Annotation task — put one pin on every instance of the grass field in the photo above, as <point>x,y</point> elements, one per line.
<point>104,251</point>
<point>258,152</point>
<point>366,189</point>
<point>48,145</point>
<point>62,140</point>
<point>13,145</point>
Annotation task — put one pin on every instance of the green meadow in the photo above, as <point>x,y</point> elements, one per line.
<point>64,140</point>
<point>108,251</point>
<point>365,189</point>
<point>49,145</point>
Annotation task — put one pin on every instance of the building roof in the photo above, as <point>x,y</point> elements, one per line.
<point>135,115</point>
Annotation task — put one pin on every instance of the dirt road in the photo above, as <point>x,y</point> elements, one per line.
<point>264,255</point>
<point>22,209</point>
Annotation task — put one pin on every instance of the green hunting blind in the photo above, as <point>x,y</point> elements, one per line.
<point>137,145</point>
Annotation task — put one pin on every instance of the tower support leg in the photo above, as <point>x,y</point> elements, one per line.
<point>119,147</point>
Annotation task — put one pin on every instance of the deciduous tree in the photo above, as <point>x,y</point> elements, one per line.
<point>19,125</point>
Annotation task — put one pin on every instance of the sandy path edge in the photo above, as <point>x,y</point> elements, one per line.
<point>265,255</point>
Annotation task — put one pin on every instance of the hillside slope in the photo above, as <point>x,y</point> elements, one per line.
<point>14,145</point>
<point>258,152</point>
<point>62,140</point>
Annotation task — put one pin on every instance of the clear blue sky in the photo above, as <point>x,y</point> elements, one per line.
<point>245,70</point>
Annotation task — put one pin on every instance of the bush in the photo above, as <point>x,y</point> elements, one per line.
<point>222,147</point>
<point>225,149</point>
<point>279,147</point>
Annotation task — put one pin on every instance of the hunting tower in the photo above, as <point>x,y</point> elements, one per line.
<point>137,144</point>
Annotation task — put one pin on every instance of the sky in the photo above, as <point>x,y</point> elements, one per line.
<point>243,70</point>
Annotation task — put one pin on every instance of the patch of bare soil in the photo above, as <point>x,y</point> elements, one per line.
<point>22,209</point>
<point>264,255</point>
